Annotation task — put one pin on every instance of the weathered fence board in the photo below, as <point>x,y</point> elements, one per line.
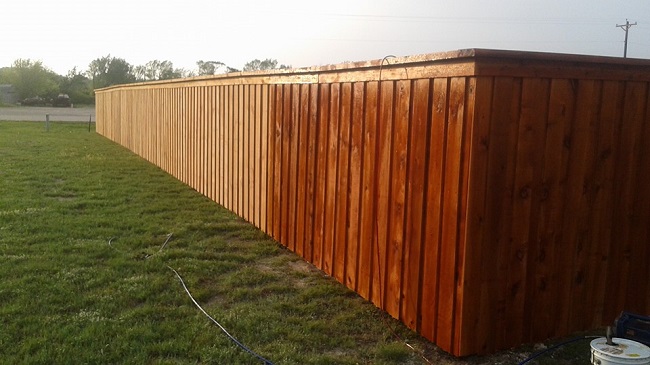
<point>484,198</point>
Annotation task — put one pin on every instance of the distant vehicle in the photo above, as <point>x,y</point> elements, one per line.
<point>33,101</point>
<point>63,100</point>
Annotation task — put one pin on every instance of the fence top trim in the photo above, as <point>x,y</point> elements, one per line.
<point>465,62</point>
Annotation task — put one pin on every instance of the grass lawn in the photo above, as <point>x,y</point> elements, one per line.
<point>83,278</point>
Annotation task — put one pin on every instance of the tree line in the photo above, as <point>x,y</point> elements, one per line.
<point>32,78</point>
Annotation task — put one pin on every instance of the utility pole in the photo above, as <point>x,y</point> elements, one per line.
<point>626,27</point>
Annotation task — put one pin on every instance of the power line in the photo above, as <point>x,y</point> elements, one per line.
<point>626,27</point>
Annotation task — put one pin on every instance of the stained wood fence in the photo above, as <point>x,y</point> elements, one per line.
<point>484,198</point>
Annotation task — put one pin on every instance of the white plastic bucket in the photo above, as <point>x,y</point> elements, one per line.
<point>625,353</point>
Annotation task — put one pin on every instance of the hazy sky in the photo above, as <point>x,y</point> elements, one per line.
<point>68,33</point>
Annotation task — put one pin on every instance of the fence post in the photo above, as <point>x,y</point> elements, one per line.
<point>90,119</point>
<point>47,122</point>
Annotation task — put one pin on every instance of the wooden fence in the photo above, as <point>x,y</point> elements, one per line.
<point>484,198</point>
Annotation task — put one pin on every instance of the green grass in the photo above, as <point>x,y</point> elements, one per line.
<point>67,296</point>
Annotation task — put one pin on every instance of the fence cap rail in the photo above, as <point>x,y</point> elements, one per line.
<point>465,62</point>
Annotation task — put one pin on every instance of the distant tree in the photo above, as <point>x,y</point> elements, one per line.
<point>267,64</point>
<point>31,78</point>
<point>78,87</point>
<point>158,70</point>
<point>4,75</point>
<point>107,71</point>
<point>209,67</point>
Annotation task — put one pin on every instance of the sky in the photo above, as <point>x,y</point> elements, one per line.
<point>71,33</point>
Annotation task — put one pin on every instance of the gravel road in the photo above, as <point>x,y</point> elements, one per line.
<point>37,114</point>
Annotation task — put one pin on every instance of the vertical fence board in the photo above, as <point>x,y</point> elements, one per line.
<point>241,123</point>
<point>253,146</point>
<point>475,333</point>
<point>382,190</point>
<point>277,157</point>
<point>356,171</point>
<point>270,222</point>
<point>292,182</point>
<point>312,146</point>
<point>285,177</point>
<point>244,150</point>
<point>366,235</point>
<point>342,195</point>
<point>640,230</point>
<point>264,171</point>
<point>329,224</point>
<point>607,150</point>
<point>302,156</point>
<point>529,167</point>
<point>415,209</point>
<point>620,282</point>
<point>579,160</point>
<point>399,168</point>
<point>321,176</point>
<point>450,213</point>
<point>431,260</point>
<point>229,139</point>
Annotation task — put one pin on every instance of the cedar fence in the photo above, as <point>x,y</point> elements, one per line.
<point>484,198</point>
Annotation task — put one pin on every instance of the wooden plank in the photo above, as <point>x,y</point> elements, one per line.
<point>331,179</point>
<point>278,159</point>
<point>285,179</point>
<point>547,303</point>
<point>183,137</point>
<point>619,279</point>
<point>450,214</point>
<point>234,145</point>
<point>466,148</point>
<point>356,155</point>
<point>638,294</point>
<point>610,112</point>
<point>222,120</point>
<point>244,150</point>
<point>203,108</point>
<point>435,170</point>
<point>397,200</point>
<point>218,120</point>
<point>270,198</point>
<point>415,209</point>
<point>191,141</point>
<point>367,273</point>
<point>340,237</point>
<point>580,167</point>
<point>241,132</point>
<point>257,155</point>
<point>500,185</point>
<point>229,137</point>
<point>313,138</point>
<point>204,148</point>
<point>529,164</point>
<point>292,181</point>
<point>475,318</point>
<point>265,158</point>
<point>302,156</point>
<point>321,174</point>
<point>212,143</point>
<point>382,190</point>
<point>252,147</point>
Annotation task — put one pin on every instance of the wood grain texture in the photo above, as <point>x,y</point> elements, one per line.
<point>486,199</point>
